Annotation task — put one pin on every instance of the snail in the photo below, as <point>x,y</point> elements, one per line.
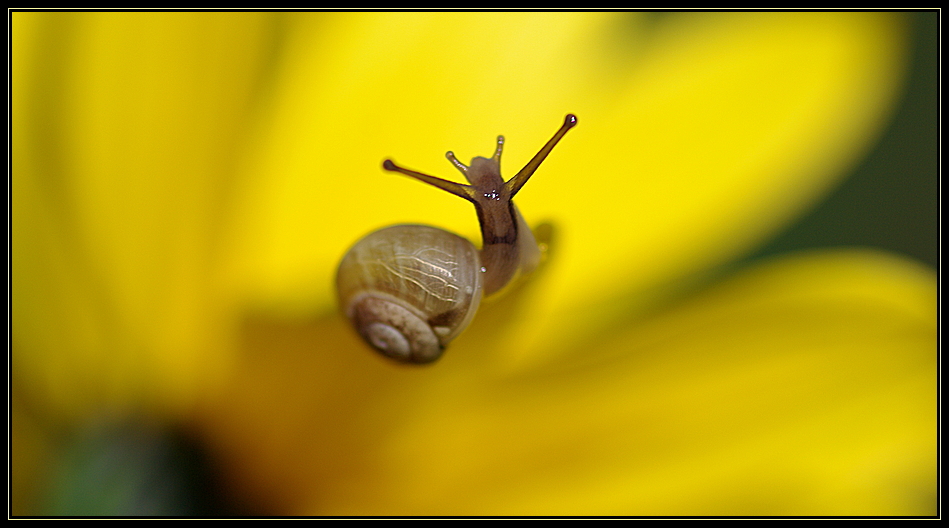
<point>410,289</point>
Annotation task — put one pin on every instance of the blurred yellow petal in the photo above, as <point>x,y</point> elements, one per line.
<point>699,136</point>
<point>127,125</point>
<point>805,386</point>
<point>151,111</point>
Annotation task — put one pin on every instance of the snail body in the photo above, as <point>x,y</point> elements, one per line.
<point>410,289</point>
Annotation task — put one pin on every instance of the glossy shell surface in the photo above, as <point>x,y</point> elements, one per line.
<point>410,289</point>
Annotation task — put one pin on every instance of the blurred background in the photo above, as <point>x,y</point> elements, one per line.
<point>890,200</point>
<point>160,462</point>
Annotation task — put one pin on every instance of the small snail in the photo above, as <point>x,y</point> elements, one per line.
<point>410,289</point>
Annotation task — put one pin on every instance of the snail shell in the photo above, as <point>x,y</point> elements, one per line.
<point>410,289</point>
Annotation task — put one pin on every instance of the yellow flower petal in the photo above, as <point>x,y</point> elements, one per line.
<point>162,230</point>
<point>127,125</point>
<point>805,386</point>
<point>698,138</point>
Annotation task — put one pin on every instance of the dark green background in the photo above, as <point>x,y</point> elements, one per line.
<point>891,199</point>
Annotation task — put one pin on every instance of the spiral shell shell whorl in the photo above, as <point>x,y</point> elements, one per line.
<point>410,290</point>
